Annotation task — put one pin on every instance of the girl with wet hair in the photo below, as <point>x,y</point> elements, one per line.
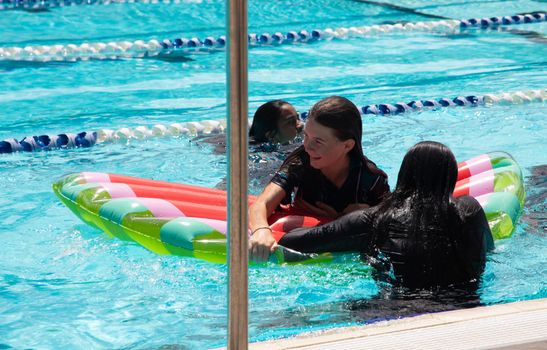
<point>272,136</point>
<point>328,176</point>
<point>275,121</point>
<point>419,233</point>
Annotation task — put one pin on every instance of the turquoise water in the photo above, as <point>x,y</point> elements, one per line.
<point>66,285</point>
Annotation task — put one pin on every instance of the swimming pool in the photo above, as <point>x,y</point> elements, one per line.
<point>69,286</point>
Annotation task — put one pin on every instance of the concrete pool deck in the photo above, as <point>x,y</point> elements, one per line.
<point>519,325</point>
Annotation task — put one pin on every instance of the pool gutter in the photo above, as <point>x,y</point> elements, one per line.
<point>518,325</point>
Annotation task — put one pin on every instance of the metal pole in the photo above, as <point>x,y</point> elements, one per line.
<point>237,176</point>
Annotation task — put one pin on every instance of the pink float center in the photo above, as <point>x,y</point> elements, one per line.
<point>479,164</point>
<point>482,183</point>
<point>219,225</point>
<point>483,200</point>
<point>161,208</point>
<point>118,190</point>
<point>95,177</point>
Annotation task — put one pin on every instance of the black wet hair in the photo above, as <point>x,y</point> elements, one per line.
<point>426,180</point>
<point>265,120</point>
<point>429,169</point>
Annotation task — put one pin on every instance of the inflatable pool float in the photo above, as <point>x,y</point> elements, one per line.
<point>187,220</point>
<point>164,217</point>
<point>495,180</point>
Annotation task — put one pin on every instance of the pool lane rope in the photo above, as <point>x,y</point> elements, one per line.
<point>166,47</point>
<point>519,97</point>
<point>206,127</point>
<point>123,135</point>
<point>47,4</point>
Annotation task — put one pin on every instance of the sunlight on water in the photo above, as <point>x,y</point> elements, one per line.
<point>71,286</point>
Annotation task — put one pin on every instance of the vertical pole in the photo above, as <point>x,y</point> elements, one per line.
<point>237,176</point>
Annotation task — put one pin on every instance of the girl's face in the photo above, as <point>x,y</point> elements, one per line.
<point>323,147</point>
<point>288,124</point>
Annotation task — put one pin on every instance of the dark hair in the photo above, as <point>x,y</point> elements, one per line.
<point>342,116</point>
<point>421,202</point>
<point>429,169</point>
<point>265,120</point>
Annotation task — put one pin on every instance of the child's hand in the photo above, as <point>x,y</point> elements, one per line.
<point>261,245</point>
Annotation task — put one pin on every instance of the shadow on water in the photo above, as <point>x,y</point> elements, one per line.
<point>37,10</point>
<point>535,213</point>
<point>398,304</point>
<point>29,10</point>
<point>172,57</point>
<point>400,9</point>
<point>532,36</point>
<point>387,305</point>
<point>7,66</point>
<point>11,65</point>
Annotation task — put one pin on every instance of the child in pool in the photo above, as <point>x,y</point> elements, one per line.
<point>426,237</point>
<point>272,136</point>
<point>275,122</point>
<point>329,175</point>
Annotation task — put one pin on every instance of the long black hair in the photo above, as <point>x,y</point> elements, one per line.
<point>429,170</point>
<point>265,120</point>
<point>420,204</point>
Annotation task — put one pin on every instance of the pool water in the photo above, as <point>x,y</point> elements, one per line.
<point>66,285</point>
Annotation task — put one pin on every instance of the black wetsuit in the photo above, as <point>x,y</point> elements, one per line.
<point>364,184</point>
<point>438,259</point>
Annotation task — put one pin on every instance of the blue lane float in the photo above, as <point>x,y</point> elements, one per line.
<point>123,135</point>
<point>48,142</point>
<point>166,47</point>
<point>205,127</point>
<point>518,97</point>
<point>413,106</point>
<point>48,4</point>
<point>505,20</point>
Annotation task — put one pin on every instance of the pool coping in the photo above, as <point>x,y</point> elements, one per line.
<point>484,316</point>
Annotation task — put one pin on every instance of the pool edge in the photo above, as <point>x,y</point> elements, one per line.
<point>357,336</point>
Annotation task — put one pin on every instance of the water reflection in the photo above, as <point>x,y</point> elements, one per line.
<point>535,207</point>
